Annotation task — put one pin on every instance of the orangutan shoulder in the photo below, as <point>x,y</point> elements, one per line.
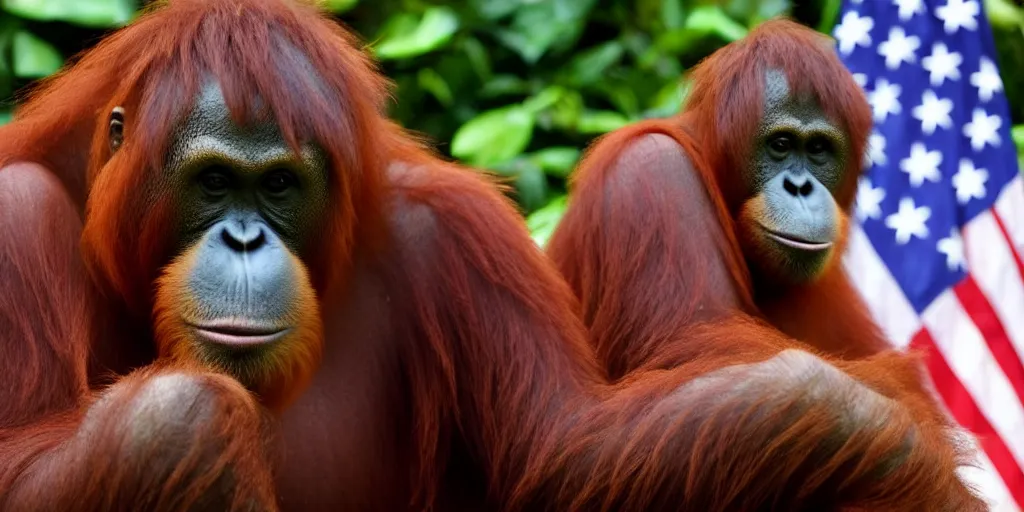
<point>437,202</point>
<point>655,160</point>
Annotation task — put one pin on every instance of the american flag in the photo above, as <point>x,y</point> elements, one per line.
<point>939,234</point>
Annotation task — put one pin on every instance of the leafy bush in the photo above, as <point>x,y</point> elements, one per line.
<point>519,87</point>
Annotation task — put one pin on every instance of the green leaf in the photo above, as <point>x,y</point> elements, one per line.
<point>493,136</point>
<point>544,220</point>
<point>768,9</point>
<point>672,14</point>
<point>339,6</point>
<point>478,57</point>
<point>711,19</point>
<point>829,13</point>
<point>404,37</point>
<point>565,113</point>
<point>542,24</point>
<point>600,121</point>
<point>5,117</point>
<point>1017,133</point>
<point>503,85</point>
<point>531,186</point>
<point>556,161</point>
<point>756,11</point>
<point>544,99</point>
<point>495,9</point>
<point>1003,14</point>
<point>34,57</point>
<point>590,66</point>
<point>623,96</point>
<point>89,13</point>
<point>669,100</point>
<point>8,27</point>
<point>435,84</point>
<point>675,42</point>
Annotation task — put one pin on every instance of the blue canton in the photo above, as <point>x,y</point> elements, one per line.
<point>941,151</point>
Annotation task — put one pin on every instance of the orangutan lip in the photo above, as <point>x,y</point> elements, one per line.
<point>805,245</point>
<point>238,333</point>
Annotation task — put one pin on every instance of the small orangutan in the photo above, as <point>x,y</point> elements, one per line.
<point>228,282</point>
<point>683,235</point>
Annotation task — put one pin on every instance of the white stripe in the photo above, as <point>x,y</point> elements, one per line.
<point>991,263</point>
<point>961,345</point>
<point>986,481</point>
<point>900,322</point>
<point>883,295</point>
<point>1010,207</point>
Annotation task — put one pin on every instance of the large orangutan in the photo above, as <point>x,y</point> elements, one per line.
<point>683,234</point>
<point>229,283</point>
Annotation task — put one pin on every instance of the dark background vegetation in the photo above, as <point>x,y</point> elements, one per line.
<point>519,87</point>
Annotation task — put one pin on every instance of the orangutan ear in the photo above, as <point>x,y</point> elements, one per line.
<point>116,133</point>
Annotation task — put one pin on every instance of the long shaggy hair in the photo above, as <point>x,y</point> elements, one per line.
<point>265,56</point>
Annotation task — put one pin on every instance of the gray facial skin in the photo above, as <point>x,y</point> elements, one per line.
<point>247,203</point>
<point>209,138</point>
<point>798,160</point>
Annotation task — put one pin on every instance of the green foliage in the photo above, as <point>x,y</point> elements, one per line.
<point>87,13</point>
<point>34,57</point>
<point>408,35</point>
<point>494,136</point>
<point>520,87</point>
<point>339,6</point>
<point>517,87</point>
<point>542,223</point>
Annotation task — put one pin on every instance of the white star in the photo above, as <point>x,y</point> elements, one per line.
<point>942,64</point>
<point>922,165</point>
<point>885,99</point>
<point>899,48</point>
<point>869,200</point>
<point>987,79</point>
<point>969,182</point>
<point>909,221</point>
<point>876,148</point>
<point>953,248</point>
<point>933,112</point>
<point>958,13</point>
<point>983,129</point>
<point>852,31</point>
<point>908,8</point>
<point>861,79</point>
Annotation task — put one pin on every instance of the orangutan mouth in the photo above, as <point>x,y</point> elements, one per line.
<point>796,243</point>
<point>239,333</point>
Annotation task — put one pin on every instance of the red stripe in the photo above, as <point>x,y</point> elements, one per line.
<point>966,412</point>
<point>1009,242</point>
<point>984,317</point>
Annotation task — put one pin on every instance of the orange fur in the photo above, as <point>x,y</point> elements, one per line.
<point>651,244</point>
<point>126,455</point>
<point>454,375</point>
<point>727,87</point>
<point>753,240</point>
<point>280,374</point>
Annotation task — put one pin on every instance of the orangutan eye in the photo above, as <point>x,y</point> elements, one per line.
<point>214,181</point>
<point>278,182</point>
<point>780,144</point>
<point>116,132</point>
<point>817,146</point>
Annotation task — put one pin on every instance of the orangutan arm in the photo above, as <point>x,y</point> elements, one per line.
<point>643,247</point>
<point>744,424</point>
<point>44,312</point>
<point>161,439</point>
